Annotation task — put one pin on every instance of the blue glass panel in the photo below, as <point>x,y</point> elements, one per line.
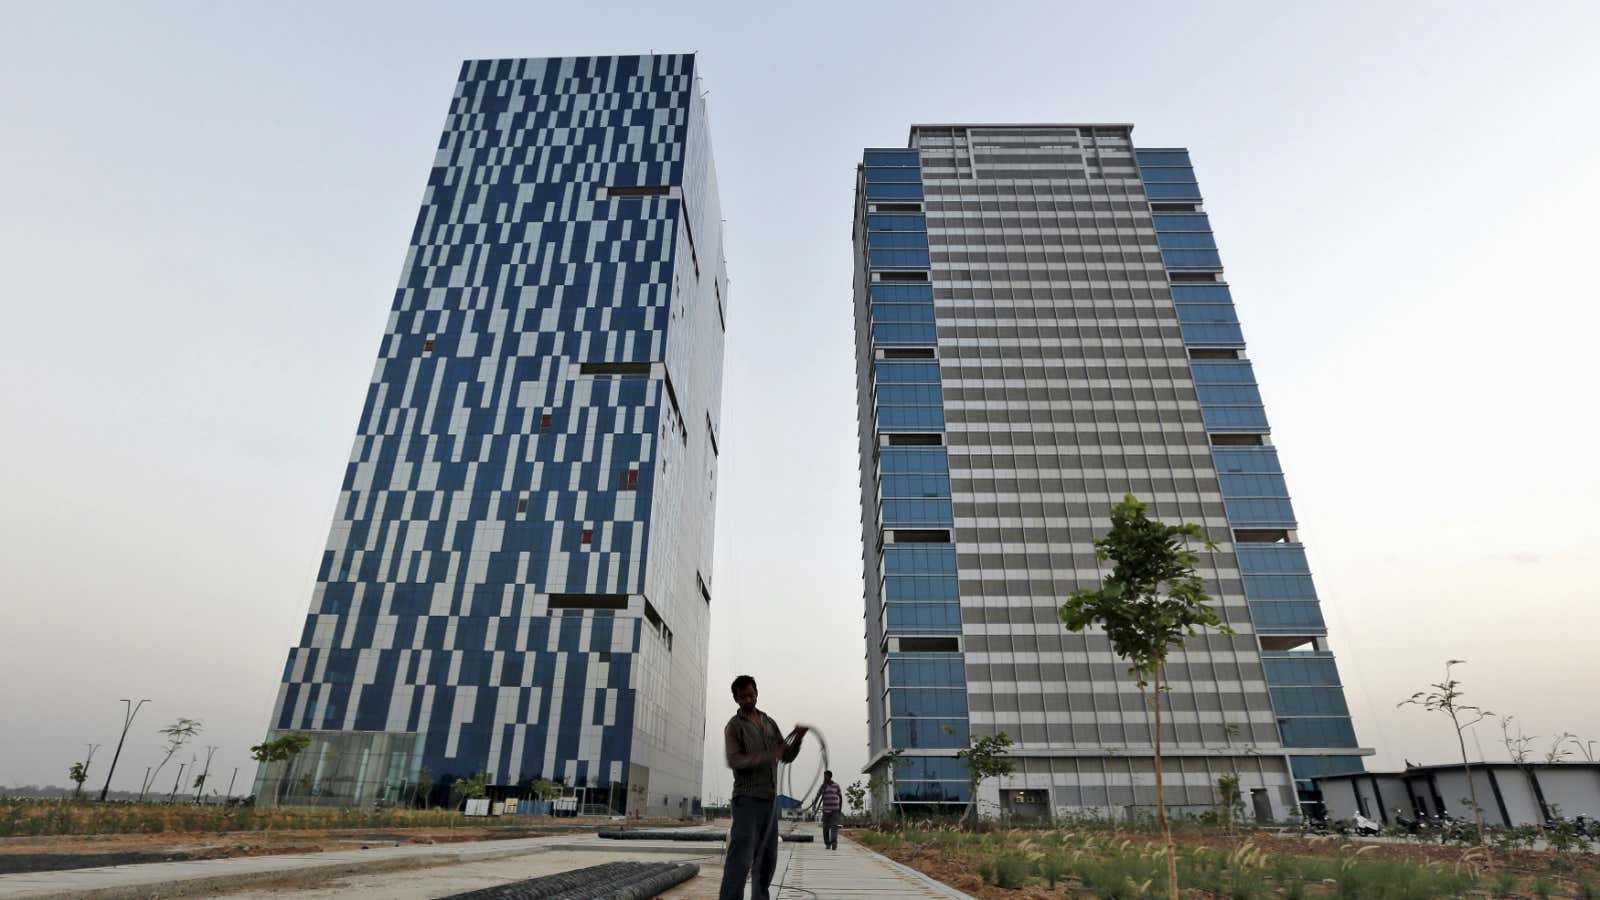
<point>1190,313</point>
<point>1307,767</point>
<point>932,791</point>
<point>923,702</point>
<point>907,372</point>
<point>906,461</point>
<point>910,395</point>
<point>1219,418</point>
<point>902,292</point>
<point>1212,334</point>
<point>1318,670</point>
<point>1167,174</point>
<point>913,588</point>
<point>930,768</point>
<point>1279,587</point>
<point>1222,372</point>
<point>915,259</point>
<point>1291,616</point>
<point>1155,191</point>
<point>1235,460</point>
<point>894,191</point>
<point>896,175</point>
<point>1229,394</point>
<point>1308,701</point>
<point>905,334</point>
<point>891,158</point>
<point>928,734</point>
<point>1182,222</point>
<point>1166,157</point>
<point>1201,293</point>
<point>878,222</point>
<point>1191,259</point>
<point>1254,486</point>
<point>925,618</point>
<point>916,486</point>
<point>925,559</point>
<point>901,240</point>
<point>1330,732</point>
<point>926,669</point>
<point>1259,512</point>
<point>902,313</point>
<point>919,417</point>
<point>916,512</point>
<point>1286,558</point>
<point>1187,240</point>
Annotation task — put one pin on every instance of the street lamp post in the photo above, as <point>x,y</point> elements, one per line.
<point>127,722</point>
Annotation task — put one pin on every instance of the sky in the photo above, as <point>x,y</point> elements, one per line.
<point>206,206</point>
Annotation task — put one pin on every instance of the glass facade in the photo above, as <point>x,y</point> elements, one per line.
<point>495,595</point>
<point>921,697</point>
<point>1302,676</point>
<point>1042,326</point>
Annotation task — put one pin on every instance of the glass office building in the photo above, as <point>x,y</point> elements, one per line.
<point>518,577</point>
<point>1043,325</point>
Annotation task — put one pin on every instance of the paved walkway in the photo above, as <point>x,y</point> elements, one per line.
<point>428,871</point>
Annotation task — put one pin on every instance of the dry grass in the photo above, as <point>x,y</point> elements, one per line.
<point>56,817</point>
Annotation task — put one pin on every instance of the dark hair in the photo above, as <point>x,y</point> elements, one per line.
<point>828,774</point>
<point>741,681</point>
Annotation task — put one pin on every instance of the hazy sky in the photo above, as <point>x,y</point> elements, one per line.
<point>204,207</point>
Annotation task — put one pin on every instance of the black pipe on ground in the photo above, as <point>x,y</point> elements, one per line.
<point>661,835</point>
<point>610,881</point>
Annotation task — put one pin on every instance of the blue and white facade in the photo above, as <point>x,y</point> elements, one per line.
<point>1042,326</point>
<point>518,577</point>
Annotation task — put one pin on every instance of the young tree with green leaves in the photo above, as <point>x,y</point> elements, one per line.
<point>424,787</point>
<point>984,757</point>
<point>78,774</point>
<point>857,795</point>
<point>463,789</point>
<point>1446,698</point>
<point>280,749</point>
<point>1519,748</point>
<point>1152,600</point>
<point>178,734</point>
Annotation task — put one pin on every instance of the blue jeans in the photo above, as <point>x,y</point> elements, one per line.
<point>830,830</point>
<point>752,850</point>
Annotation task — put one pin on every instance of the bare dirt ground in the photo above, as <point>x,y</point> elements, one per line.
<point>57,852</point>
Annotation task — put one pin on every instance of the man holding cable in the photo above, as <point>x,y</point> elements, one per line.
<point>754,747</point>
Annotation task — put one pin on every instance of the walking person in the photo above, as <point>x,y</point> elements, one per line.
<point>754,746</point>
<point>830,799</point>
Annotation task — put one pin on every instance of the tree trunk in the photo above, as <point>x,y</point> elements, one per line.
<point>1161,801</point>
<point>1472,789</point>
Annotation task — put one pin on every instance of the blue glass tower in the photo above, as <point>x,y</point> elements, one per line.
<point>1042,325</point>
<point>518,577</point>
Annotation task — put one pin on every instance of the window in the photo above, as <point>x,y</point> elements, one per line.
<point>522,505</point>
<point>899,258</point>
<point>427,345</point>
<point>1246,461</point>
<point>1185,240</point>
<point>920,536</point>
<point>1196,223</point>
<point>1254,486</point>
<point>916,440</point>
<point>926,486</point>
<point>614,368</point>
<point>892,175</point>
<point>1213,353</point>
<point>588,601</point>
<point>901,276</point>
<point>910,417</point>
<point>894,191</point>
<point>588,536</point>
<point>930,645</point>
<point>891,158</point>
<point>1212,334</point>
<point>1163,157</point>
<point>908,353</point>
<point>638,190</point>
<point>1192,276</point>
<point>1279,587</point>
<point>628,480</point>
<point>895,207</point>
<point>1234,416</point>
<point>1173,207</point>
<point>544,422</point>
<point>1191,259</point>
<point>1259,535</point>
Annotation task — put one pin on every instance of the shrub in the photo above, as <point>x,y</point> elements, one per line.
<point>1053,867</point>
<point>1007,870</point>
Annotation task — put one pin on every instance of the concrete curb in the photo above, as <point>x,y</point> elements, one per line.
<point>933,884</point>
